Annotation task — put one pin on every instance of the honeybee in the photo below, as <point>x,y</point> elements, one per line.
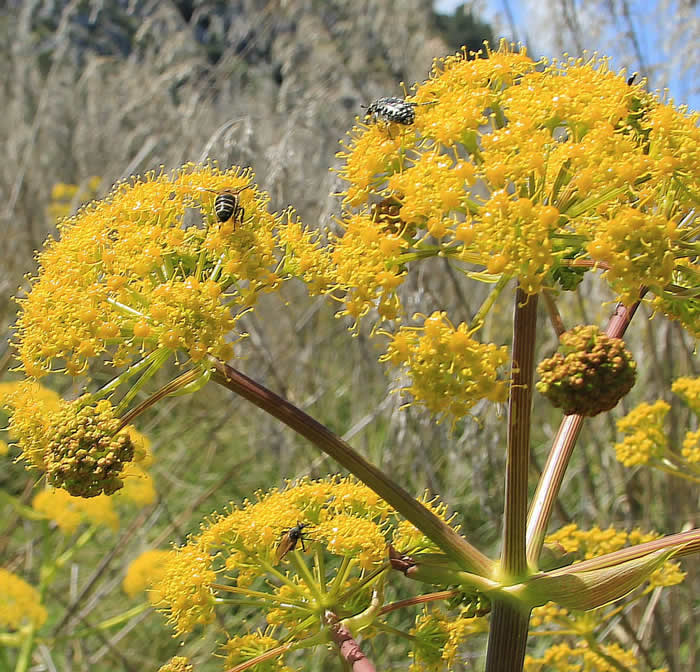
<point>290,538</point>
<point>227,205</point>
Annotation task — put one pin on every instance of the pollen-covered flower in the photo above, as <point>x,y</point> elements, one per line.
<point>79,444</point>
<point>589,374</point>
<point>531,170</point>
<point>315,547</point>
<point>185,587</point>
<point>144,571</point>
<point>21,603</point>
<point>336,518</point>
<point>153,268</point>
<point>449,370</point>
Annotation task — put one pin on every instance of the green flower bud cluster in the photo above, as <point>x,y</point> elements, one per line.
<point>590,373</point>
<point>86,454</point>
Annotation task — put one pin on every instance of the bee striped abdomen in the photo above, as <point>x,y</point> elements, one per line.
<point>225,206</point>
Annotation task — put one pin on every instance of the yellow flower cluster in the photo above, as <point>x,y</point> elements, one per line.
<point>647,439</point>
<point>691,447</point>
<point>246,647</point>
<point>437,639</point>
<point>594,542</point>
<point>69,512</point>
<point>152,268</point>
<point>526,168</point>
<point>365,264</point>
<point>177,664</point>
<point>688,389</point>
<point>448,369</point>
<point>65,197</point>
<point>144,571</point>
<point>79,445</point>
<point>604,658</point>
<point>256,553</point>
<point>185,587</point>
<point>54,434</point>
<point>21,603</point>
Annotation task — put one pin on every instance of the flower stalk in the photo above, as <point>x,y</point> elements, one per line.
<point>562,448</point>
<point>509,625</point>
<point>454,545</point>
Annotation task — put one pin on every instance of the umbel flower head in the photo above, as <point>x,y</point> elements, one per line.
<point>449,370</point>
<point>590,373</point>
<point>21,603</point>
<point>151,268</point>
<point>297,553</point>
<point>647,439</point>
<point>79,445</point>
<point>525,169</point>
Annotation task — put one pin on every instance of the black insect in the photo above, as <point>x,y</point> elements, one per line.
<point>391,109</point>
<point>290,538</point>
<point>227,205</point>
<point>630,80</point>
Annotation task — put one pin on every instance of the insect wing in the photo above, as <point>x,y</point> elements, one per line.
<point>287,543</point>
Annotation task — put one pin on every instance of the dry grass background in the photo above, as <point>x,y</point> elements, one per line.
<point>117,88</point>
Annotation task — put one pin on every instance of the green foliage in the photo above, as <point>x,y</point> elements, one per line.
<point>463,28</point>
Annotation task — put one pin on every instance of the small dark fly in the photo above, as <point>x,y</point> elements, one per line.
<point>290,538</point>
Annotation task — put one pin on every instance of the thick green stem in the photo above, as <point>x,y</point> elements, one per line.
<point>466,555</point>
<point>558,460</point>
<point>509,620</point>
<point>513,562</point>
<point>510,623</point>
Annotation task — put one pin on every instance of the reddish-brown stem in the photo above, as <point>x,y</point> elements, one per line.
<point>454,545</point>
<point>277,652</point>
<point>560,454</point>
<point>348,647</point>
<point>553,312</point>
<point>419,599</point>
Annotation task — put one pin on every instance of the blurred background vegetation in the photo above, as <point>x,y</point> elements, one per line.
<point>96,91</point>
